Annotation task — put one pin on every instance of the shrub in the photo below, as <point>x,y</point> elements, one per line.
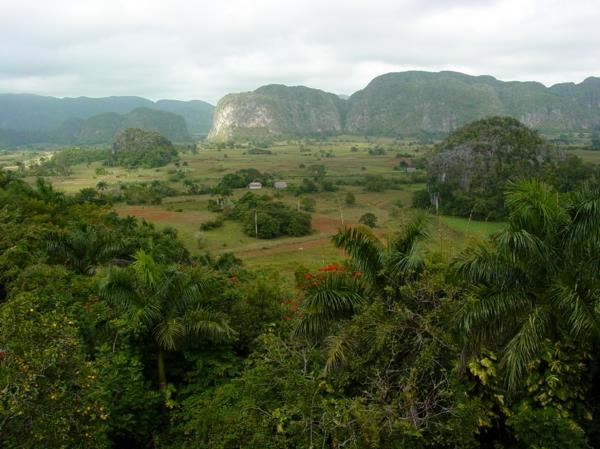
<point>369,219</point>
<point>210,225</point>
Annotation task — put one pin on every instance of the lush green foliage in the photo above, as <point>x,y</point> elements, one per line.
<point>469,170</point>
<point>397,347</point>
<point>135,147</point>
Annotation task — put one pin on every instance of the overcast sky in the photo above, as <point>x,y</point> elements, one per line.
<point>186,49</point>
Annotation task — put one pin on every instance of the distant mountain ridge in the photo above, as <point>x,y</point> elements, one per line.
<point>102,129</point>
<point>393,104</point>
<point>27,118</point>
<point>408,103</point>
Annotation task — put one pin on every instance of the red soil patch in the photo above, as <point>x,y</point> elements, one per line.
<point>147,213</point>
<point>326,225</point>
<point>395,161</point>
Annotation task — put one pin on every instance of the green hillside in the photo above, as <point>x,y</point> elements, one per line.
<point>468,171</point>
<point>197,114</point>
<point>278,109</point>
<point>412,102</point>
<point>135,147</point>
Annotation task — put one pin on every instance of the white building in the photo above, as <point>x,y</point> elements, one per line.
<point>255,186</point>
<point>280,185</point>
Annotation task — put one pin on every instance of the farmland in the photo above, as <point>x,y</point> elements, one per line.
<point>346,163</point>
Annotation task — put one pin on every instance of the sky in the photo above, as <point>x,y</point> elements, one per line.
<point>196,49</point>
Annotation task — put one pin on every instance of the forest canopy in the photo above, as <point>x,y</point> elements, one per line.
<point>114,336</point>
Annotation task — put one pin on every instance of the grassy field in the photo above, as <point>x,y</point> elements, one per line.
<point>345,160</point>
<point>588,156</point>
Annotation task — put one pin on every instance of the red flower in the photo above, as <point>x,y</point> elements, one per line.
<point>308,276</point>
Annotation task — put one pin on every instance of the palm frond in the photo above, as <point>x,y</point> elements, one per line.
<point>519,245</point>
<point>119,287</point>
<point>580,312</point>
<point>412,232</point>
<point>483,264</point>
<point>208,324</point>
<point>584,211</point>
<point>336,349</point>
<point>168,332</point>
<point>533,206</point>
<point>525,344</point>
<point>364,248</point>
<point>405,264</point>
<point>334,297</point>
<point>491,315</point>
<point>146,269</point>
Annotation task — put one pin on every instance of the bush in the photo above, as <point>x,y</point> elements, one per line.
<point>308,204</point>
<point>350,199</point>
<point>268,220</point>
<point>369,219</point>
<point>210,225</point>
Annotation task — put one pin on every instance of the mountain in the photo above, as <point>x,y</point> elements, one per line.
<point>103,128</point>
<point>278,109</point>
<point>468,170</point>
<point>197,114</point>
<point>26,118</point>
<point>409,103</point>
<point>135,147</point>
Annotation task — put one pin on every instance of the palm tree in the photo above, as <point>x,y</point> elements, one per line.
<point>536,280</point>
<point>377,268</point>
<point>83,249</point>
<point>164,301</point>
<point>386,265</point>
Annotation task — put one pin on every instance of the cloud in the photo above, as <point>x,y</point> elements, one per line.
<point>203,50</point>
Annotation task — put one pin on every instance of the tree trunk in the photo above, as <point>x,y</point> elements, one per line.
<point>162,377</point>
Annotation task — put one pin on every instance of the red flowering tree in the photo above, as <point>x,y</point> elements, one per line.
<point>373,268</point>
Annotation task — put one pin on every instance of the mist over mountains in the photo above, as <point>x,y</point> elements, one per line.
<point>27,119</point>
<point>394,104</point>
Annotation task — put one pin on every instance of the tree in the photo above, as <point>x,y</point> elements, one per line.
<point>101,186</point>
<point>536,280</point>
<point>83,250</point>
<point>45,379</point>
<point>350,199</point>
<point>595,142</point>
<point>165,302</point>
<point>378,268</point>
<point>369,219</point>
<point>308,204</point>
